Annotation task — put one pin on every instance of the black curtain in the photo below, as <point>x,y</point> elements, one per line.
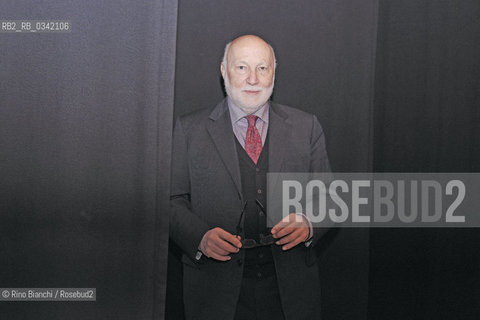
<point>427,119</point>
<point>85,138</point>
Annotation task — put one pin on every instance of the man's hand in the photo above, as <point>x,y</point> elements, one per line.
<point>293,229</point>
<point>219,244</point>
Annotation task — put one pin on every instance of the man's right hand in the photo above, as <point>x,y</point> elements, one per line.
<point>219,244</point>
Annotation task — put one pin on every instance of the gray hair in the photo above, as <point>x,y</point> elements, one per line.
<point>227,47</point>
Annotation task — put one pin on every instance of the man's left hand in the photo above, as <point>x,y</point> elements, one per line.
<point>292,230</point>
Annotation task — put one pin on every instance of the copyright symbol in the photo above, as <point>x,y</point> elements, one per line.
<point>5,294</point>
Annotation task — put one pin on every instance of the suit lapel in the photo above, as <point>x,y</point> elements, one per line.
<point>279,132</point>
<point>221,132</point>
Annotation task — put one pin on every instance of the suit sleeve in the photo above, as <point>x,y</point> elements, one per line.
<point>186,228</point>
<point>319,158</point>
<point>318,163</point>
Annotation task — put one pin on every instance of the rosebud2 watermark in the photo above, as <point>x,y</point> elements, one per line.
<point>376,199</point>
<point>48,294</point>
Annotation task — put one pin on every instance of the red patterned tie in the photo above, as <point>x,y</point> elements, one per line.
<point>253,141</point>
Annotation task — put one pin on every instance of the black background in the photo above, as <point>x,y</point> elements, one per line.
<point>427,119</point>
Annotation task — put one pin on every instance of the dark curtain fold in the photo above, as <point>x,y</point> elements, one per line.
<point>85,138</point>
<point>427,119</point>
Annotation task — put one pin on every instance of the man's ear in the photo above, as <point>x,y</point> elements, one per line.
<point>222,70</point>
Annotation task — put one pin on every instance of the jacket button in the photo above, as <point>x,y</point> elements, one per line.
<point>239,262</point>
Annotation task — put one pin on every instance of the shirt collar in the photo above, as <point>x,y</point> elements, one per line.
<point>237,114</point>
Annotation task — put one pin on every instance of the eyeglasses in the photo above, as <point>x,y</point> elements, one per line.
<point>252,243</point>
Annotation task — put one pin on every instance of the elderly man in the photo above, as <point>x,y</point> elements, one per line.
<point>234,266</point>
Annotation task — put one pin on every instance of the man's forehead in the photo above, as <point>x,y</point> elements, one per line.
<point>250,47</point>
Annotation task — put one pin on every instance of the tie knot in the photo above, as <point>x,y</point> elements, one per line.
<point>251,120</point>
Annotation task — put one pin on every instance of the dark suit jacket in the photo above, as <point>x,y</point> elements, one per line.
<point>206,193</point>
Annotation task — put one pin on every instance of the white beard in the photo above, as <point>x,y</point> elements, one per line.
<point>240,101</point>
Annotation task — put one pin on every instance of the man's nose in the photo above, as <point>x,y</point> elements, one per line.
<point>252,78</point>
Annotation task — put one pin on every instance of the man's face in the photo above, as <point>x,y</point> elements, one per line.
<point>249,74</point>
